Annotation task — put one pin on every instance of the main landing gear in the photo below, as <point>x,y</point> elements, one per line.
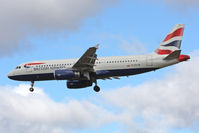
<point>96,88</point>
<point>31,88</point>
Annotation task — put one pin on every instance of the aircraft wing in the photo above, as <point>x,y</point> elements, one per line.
<point>87,60</point>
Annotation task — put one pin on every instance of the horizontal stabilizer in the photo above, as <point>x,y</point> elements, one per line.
<point>173,55</point>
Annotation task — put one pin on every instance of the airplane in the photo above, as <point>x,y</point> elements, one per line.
<point>85,71</point>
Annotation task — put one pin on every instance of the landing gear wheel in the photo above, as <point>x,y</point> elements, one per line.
<point>31,89</point>
<point>96,88</point>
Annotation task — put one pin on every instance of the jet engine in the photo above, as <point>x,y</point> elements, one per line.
<point>75,84</point>
<point>66,74</point>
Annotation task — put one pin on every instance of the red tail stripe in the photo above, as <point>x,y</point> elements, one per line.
<point>163,52</point>
<point>33,64</point>
<point>178,32</point>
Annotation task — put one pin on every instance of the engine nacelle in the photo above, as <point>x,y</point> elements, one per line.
<point>66,74</point>
<point>75,84</point>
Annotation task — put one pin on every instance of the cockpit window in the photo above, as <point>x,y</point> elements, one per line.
<point>18,67</point>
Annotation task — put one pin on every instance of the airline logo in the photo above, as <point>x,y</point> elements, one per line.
<point>177,33</point>
<point>172,41</point>
<point>174,38</point>
<point>31,64</point>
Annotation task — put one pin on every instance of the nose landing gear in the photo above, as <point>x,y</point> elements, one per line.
<point>31,88</point>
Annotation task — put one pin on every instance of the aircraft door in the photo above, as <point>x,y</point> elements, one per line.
<point>149,61</point>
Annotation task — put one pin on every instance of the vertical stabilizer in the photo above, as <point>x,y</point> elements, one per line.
<point>172,41</point>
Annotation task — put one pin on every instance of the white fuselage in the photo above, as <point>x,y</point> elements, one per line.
<point>117,65</point>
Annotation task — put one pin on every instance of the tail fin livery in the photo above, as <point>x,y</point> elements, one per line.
<point>172,42</point>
